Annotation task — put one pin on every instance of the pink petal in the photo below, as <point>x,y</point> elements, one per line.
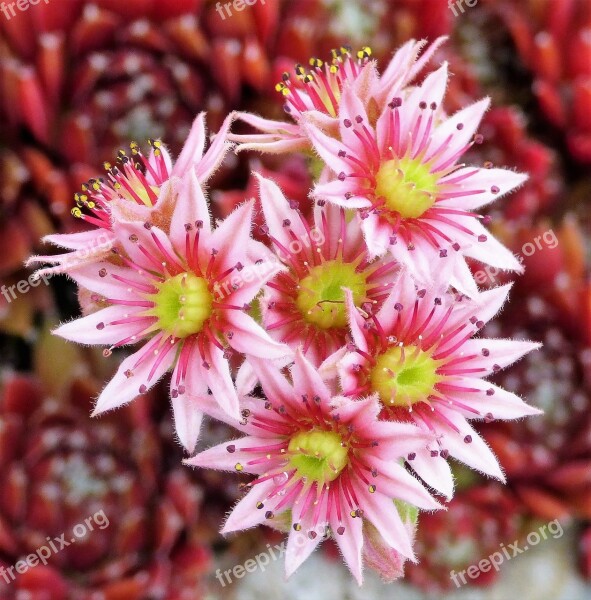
<point>193,149</point>
<point>267,125</point>
<point>307,380</point>
<point>382,513</point>
<point>128,231</point>
<point>347,370</point>
<point>210,407</point>
<point>96,329</point>
<point>403,294</point>
<point>501,404</point>
<point>193,379</point>
<point>273,382</point>
<point>483,181</point>
<point>300,545</point>
<point>272,144</point>
<point>431,90</point>
<point>65,263</point>
<point>215,154</point>
<point>350,108</point>
<point>350,544</point>
<point>219,380</point>
<point>425,57</point>
<point>124,211</point>
<point>395,482</point>
<point>361,414</point>
<point>377,234</point>
<point>366,82</point>
<point>475,453</point>
<point>328,149</point>
<point>423,262</point>
<point>101,277</point>
<point>356,322</point>
<point>334,192</point>
<point>501,353</point>
<point>154,164</point>
<point>121,389</point>
<point>462,278</point>
<point>401,62</point>
<point>329,367</point>
<point>81,240</point>
<point>251,339</point>
<point>277,210</point>
<point>221,459</point>
<point>397,440</point>
<point>277,137</point>
<point>191,207</point>
<point>187,420</point>
<point>490,251</point>
<point>232,238</point>
<point>470,118</point>
<point>246,379</point>
<point>245,514</point>
<point>434,471</point>
<point>251,279</point>
<point>88,247</point>
<point>490,301</point>
<point>404,67</point>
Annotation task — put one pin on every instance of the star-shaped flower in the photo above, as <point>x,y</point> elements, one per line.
<point>421,356</point>
<point>185,296</point>
<point>325,464</point>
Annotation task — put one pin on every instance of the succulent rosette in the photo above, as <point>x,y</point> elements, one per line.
<point>324,464</point>
<point>477,522</point>
<point>133,516</point>
<point>552,39</point>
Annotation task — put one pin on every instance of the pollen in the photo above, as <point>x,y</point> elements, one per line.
<point>404,375</point>
<point>318,455</point>
<point>321,298</point>
<point>182,305</point>
<point>407,186</point>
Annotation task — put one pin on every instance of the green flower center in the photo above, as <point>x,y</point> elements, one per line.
<point>407,186</point>
<point>403,376</point>
<point>318,455</point>
<point>321,298</point>
<point>182,305</point>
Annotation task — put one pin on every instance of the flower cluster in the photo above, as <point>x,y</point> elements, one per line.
<point>342,341</point>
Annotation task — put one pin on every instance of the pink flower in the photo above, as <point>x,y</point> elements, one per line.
<point>420,355</point>
<point>138,188</point>
<point>185,296</point>
<point>305,304</point>
<point>324,465</point>
<point>317,93</point>
<point>400,170</point>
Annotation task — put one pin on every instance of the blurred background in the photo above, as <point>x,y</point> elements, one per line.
<point>81,79</point>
